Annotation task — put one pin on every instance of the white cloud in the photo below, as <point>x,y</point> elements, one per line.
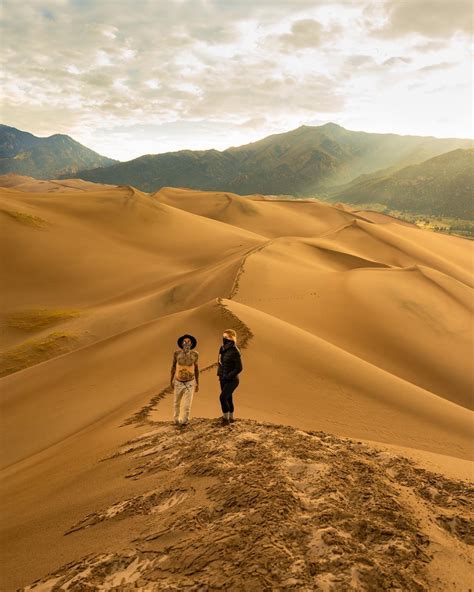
<point>211,73</point>
<point>430,18</point>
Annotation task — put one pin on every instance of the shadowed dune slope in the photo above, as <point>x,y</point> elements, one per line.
<point>115,257</point>
<point>355,327</point>
<point>270,218</point>
<point>98,272</point>
<point>394,317</point>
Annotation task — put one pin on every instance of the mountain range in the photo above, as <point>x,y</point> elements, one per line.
<point>45,158</point>
<point>302,162</point>
<point>424,175</point>
<point>440,186</point>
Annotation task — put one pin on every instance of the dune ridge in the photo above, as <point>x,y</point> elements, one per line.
<point>353,327</point>
<point>335,514</point>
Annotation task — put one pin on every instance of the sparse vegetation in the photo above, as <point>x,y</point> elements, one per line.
<point>455,226</point>
<point>38,318</point>
<point>28,219</point>
<point>36,350</point>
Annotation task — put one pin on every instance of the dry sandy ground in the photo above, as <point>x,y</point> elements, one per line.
<point>31,185</point>
<point>349,325</point>
<point>270,507</point>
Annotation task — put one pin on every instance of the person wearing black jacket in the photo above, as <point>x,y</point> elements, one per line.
<point>229,367</point>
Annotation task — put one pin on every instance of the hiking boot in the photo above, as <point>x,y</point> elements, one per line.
<point>231,420</point>
<point>225,421</point>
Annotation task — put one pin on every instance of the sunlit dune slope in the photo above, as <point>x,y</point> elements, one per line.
<point>356,326</point>
<point>266,217</point>
<point>97,275</point>
<point>32,185</point>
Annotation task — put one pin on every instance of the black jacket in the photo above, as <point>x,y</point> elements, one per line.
<point>230,363</point>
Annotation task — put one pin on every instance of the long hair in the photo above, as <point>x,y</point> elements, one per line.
<point>232,334</point>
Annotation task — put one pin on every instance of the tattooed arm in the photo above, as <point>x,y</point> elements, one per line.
<point>173,368</point>
<point>196,372</point>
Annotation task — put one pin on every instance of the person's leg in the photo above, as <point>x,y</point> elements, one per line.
<point>226,398</point>
<point>233,385</point>
<point>222,399</point>
<point>178,394</point>
<point>188,399</point>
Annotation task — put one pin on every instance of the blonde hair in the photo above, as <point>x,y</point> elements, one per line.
<point>232,334</point>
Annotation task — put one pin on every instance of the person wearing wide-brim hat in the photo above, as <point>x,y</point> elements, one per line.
<point>184,378</point>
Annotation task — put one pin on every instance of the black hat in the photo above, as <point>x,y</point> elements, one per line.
<point>193,341</point>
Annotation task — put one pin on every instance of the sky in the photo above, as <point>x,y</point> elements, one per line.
<point>134,77</point>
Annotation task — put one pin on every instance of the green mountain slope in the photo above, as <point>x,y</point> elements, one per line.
<point>440,186</point>
<point>305,161</point>
<point>23,153</point>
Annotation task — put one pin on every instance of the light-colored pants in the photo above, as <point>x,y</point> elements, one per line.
<point>183,397</point>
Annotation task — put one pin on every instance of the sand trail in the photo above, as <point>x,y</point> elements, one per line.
<point>355,328</point>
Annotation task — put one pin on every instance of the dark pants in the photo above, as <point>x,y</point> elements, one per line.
<point>227,388</point>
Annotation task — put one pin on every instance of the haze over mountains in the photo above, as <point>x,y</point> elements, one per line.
<point>304,161</point>
<point>44,158</point>
<point>440,186</point>
<point>328,161</point>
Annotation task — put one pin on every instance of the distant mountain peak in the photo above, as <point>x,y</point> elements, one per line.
<point>329,126</point>
<point>45,157</point>
<point>59,136</point>
<point>332,125</point>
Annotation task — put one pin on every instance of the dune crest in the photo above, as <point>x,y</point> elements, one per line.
<point>352,325</point>
<point>297,510</point>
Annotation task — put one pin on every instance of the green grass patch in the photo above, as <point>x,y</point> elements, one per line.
<point>39,318</point>
<point>445,224</point>
<point>27,219</point>
<point>36,350</point>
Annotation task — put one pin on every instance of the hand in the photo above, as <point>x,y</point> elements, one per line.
<point>196,390</point>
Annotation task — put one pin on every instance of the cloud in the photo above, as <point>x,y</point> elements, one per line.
<point>435,67</point>
<point>430,45</point>
<point>91,68</point>
<point>357,61</point>
<point>366,64</point>
<point>304,33</point>
<point>430,18</point>
<point>396,60</point>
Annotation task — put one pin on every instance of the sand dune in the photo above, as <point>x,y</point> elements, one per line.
<point>357,327</point>
<point>391,316</point>
<point>269,218</point>
<point>402,245</point>
<point>31,185</point>
<point>188,508</point>
<point>378,217</point>
<point>89,252</point>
